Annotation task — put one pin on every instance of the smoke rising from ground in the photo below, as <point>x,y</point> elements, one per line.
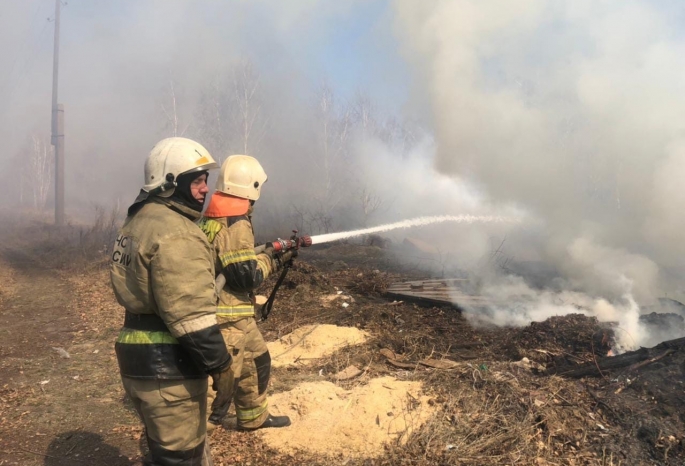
<point>572,109</point>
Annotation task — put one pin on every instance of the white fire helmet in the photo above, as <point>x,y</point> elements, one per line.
<point>241,176</point>
<point>170,158</point>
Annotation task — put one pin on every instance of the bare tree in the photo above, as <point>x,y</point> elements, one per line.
<point>213,118</point>
<point>399,135</point>
<point>250,125</point>
<point>364,115</point>
<point>314,218</point>
<point>333,123</point>
<point>371,202</point>
<point>170,108</point>
<point>230,116</point>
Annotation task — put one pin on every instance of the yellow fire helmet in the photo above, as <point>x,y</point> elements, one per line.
<point>241,176</point>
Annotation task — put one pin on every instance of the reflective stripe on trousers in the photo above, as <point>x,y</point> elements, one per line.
<point>239,311</point>
<point>251,366</point>
<point>247,415</point>
<point>129,336</point>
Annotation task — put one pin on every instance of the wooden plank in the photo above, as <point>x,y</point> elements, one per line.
<point>446,296</point>
<point>445,292</point>
<point>435,291</point>
<point>428,290</point>
<point>424,288</point>
<point>438,280</point>
<point>430,300</point>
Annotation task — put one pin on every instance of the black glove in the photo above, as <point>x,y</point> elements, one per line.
<point>223,383</point>
<point>289,254</point>
<point>283,258</point>
<point>269,250</point>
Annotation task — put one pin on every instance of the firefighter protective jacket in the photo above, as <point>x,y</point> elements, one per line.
<point>162,274</point>
<point>244,270</point>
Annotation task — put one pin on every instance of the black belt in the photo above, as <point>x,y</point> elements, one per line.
<point>149,322</point>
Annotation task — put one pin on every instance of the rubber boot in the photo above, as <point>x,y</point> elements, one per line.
<point>271,421</point>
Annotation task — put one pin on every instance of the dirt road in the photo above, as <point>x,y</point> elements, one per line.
<point>60,401</point>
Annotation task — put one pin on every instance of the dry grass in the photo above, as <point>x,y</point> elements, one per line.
<point>490,410</point>
<point>493,417</point>
<point>73,246</point>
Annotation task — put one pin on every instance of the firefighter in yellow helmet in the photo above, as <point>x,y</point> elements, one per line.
<point>162,272</point>
<point>228,226</point>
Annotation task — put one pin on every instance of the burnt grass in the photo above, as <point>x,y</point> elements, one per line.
<point>492,409</point>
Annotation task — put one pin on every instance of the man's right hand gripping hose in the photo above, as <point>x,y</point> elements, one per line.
<point>223,383</point>
<point>285,257</point>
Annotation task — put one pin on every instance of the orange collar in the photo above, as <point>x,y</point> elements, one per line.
<point>224,205</point>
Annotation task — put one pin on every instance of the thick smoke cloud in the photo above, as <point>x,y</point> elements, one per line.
<point>572,109</point>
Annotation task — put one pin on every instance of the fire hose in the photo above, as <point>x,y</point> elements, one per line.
<point>277,248</point>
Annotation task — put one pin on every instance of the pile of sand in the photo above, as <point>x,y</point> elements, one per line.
<point>309,343</point>
<point>331,421</point>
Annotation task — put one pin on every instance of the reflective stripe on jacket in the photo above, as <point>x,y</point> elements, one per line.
<point>162,274</point>
<point>233,241</point>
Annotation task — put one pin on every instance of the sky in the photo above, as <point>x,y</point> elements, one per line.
<point>350,47</point>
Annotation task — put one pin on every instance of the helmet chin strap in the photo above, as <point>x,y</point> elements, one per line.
<point>170,183</point>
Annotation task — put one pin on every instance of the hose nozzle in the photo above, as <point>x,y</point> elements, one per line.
<point>295,242</point>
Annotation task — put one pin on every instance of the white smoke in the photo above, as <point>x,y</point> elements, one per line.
<point>512,302</point>
<point>573,110</point>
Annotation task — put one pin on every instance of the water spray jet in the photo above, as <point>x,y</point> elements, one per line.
<point>413,222</point>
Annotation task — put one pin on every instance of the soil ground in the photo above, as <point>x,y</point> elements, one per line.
<point>490,389</point>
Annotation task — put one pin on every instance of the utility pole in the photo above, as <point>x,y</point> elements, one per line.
<point>57,138</point>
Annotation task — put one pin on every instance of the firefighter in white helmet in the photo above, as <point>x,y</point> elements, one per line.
<point>228,226</point>
<point>162,272</point>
